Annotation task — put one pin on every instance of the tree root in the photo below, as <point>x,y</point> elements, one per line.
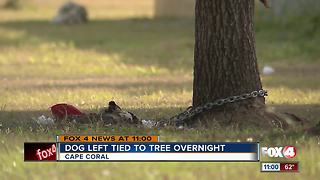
<point>252,114</point>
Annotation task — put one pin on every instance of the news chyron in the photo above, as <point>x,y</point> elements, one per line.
<point>279,159</point>
<point>132,148</point>
<point>101,148</point>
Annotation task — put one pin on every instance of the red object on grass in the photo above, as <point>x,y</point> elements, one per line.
<point>63,110</point>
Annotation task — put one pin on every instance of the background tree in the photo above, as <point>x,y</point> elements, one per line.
<point>12,4</point>
<point>225,61</point>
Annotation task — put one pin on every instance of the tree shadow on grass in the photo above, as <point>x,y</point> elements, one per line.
<point>20,122</point>
<point>24,120</point>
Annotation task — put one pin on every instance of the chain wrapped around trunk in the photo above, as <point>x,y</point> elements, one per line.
<point>181,119</point>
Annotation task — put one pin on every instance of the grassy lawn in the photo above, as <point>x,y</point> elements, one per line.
<point>145,65</point>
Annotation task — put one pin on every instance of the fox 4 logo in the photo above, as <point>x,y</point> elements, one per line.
<point>280,152</point>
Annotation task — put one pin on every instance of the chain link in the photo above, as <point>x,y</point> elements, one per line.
<point>181,118</point>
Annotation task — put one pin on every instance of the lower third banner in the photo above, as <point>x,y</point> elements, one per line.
<point>161,151</point>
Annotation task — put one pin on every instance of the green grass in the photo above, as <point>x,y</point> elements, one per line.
<point>145,65</point>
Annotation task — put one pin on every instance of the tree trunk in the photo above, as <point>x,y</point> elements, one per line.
<point>225,62</point>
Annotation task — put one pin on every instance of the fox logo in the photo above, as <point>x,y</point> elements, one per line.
<point>280,152</point>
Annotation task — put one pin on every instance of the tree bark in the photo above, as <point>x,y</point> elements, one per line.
<point>225,62</point>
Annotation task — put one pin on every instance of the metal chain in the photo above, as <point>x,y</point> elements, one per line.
<point>181,118</point>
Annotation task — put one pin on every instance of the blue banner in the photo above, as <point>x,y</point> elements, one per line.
<point>178,147</point>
